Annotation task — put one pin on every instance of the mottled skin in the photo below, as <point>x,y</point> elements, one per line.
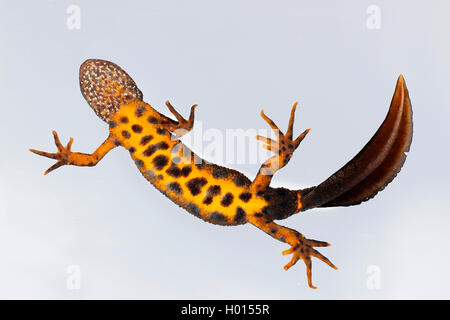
<point>213,193</point>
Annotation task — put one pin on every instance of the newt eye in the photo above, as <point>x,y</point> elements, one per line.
<point>106,87</point>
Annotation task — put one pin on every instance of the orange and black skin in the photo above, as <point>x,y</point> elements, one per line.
<point>221,195</point>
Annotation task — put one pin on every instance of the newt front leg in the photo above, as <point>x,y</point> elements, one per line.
<point>66,157</point>
<point>301,248</point>
<point>182,126</point>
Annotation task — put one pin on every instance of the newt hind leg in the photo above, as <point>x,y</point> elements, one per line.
<point>283,148</point>
<point>301,247</point>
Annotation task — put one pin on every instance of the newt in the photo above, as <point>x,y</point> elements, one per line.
<point>224,196</point>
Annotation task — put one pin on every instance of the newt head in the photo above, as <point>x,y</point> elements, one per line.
<point>106,87</point>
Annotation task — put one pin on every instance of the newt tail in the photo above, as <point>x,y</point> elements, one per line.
<point>220,195</point>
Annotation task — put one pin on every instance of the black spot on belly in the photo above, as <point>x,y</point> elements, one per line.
<point>161,131</point>
<point>227,199</point>
<point>213,190</point>
<point>150,150</point>
<point>245,196</point>
<point>136,128</point>
<point>240,180</point>
<point>193,209</point>
<point>175,187</point>
<point>112,124</point>
<point>240,216</point>
<point>117,142</point>
<point>160,161</point>
<point>150,174</point>
<point>139,163</point>
<point>208,200</point>
<point>163,145</point>
<point>217,217</point>
<point>152,120</point>
<point>124,120</point>
<point>260,193</point>
<point>258,215</point>
<point>186,171</point>
<point>155,147</point>
<point>210,193</point>
<point>195,185</point>
<point>132,150</point>
<point>174,171</point>
<point>219,173</point>
<point>145,140</point>
<point>126,134</point>
<point>140,110</point>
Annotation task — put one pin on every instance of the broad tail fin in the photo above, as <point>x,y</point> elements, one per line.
<point>375,166</point>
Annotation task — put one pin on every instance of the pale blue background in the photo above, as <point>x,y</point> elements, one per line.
<point>232,58</point>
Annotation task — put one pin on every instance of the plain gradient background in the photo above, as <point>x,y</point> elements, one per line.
<point>232,58</point>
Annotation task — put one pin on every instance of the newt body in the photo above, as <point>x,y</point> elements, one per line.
<point>216,194</point>
<point>221,195</point>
